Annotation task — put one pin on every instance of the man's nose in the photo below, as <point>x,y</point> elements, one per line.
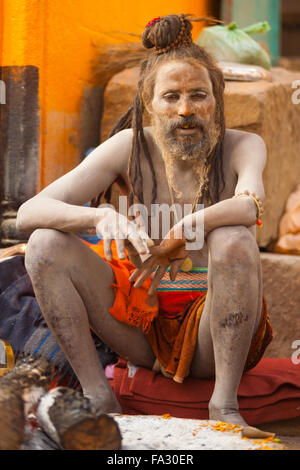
<point>185,107</point>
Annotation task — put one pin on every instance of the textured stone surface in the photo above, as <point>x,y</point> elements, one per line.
<point>265,108</point>
<point>159,433</point>
<point>290,63</point>
<point>281,280</point>
<point>19,146</point>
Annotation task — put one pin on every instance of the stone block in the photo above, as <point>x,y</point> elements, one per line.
<point>281,288</point>
<point>265,108</point>
<point>290,63</point>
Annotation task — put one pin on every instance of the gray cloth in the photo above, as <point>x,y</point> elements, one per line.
<point>23,326</point>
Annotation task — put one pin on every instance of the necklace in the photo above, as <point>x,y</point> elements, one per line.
<point>187,264</point>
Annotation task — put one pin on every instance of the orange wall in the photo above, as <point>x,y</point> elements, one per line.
<point>58,36</point>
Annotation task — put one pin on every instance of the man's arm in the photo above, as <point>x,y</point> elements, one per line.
<point>248,159</point>
<point>60,205</point>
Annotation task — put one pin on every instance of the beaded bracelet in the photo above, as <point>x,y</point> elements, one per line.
<point>258,220</point>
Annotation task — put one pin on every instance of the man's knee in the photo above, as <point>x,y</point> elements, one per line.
<point>45,248</point>
<point>232,246</point>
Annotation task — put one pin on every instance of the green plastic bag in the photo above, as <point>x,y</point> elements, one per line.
<point>231,44</point>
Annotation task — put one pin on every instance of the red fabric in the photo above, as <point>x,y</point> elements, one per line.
<point>269,392</point>
<point>173,302</point>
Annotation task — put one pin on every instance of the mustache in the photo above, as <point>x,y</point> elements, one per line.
<point>189,121</point>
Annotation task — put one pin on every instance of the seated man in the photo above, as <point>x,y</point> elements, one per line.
<point>187,155</point>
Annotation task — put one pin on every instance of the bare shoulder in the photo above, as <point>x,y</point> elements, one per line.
<point>243,149</point>
<point>116,149</point>
<point>95,173</point>
<point>111,156</point>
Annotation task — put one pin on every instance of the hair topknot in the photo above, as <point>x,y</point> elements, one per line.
<point>167,32</point>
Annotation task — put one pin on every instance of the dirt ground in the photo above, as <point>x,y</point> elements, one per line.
<point>291,443</point>
<point>288,431</point>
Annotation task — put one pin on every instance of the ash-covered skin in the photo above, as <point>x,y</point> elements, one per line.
<point>73,285</point>
<point>234,319</point>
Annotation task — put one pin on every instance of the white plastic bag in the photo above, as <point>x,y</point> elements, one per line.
<point>231,44</point>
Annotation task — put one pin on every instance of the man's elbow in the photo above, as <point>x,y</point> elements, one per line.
<point>251,211</point>
<point>23,221</point>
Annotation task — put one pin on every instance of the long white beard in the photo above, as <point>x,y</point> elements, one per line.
<point>172,156</point>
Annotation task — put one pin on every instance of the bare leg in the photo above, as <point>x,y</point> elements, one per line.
<point>230,317</point>
<point>73,289</point>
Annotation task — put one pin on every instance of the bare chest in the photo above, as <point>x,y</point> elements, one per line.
<point>174,201</point>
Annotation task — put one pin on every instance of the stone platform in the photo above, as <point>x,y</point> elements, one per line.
<point>281,287</point>
<point>169,433</point>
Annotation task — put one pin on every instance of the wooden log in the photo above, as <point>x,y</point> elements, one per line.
<point>14,250</point>
<point>20,390</point>
<point>38,440</point>
<point>71,420</point>
<point>12,420</point>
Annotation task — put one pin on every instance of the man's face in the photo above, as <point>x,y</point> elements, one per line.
<point>182,110</point>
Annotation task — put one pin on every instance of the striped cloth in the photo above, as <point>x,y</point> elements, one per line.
<point>193,280</point>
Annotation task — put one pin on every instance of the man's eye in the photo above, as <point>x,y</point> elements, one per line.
<point>171,97</point>
<point>199,96</point>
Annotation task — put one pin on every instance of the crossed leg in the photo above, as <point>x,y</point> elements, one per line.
<point>73,288</point>
<point>230,317</point>
<point>72,285</point>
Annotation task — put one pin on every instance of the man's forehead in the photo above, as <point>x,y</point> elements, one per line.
<point>183,74</point>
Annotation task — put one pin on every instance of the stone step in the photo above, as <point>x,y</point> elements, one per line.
<point>281,288</point>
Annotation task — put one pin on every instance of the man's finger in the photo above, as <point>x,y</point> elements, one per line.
<point>156,280</point>
<point>107,247</point>
<point>139,244</point>
<point>139,271</point>
<point>175,266</point>
<point>133,255</point>
<point>142,278</point>
<point>120,248</point>
<point>148,267</point>
<point>145,237</point>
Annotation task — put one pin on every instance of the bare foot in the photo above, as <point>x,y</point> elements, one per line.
<point>226,415</point>
<point>232,415</point>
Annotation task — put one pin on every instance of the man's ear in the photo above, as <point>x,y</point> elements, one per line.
<point>148,107</point>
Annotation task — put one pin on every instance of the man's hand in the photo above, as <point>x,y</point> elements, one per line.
<point>171,252</point>
<point>110,225</point>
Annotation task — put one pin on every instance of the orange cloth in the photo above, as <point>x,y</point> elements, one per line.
<point>174,339</point>
<point>130,304</point>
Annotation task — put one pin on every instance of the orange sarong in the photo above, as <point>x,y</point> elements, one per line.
<point>171,326</point>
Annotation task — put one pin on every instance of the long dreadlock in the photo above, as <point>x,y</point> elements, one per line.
<point>170,38</point>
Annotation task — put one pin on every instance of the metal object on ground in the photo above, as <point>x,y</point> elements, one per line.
<point>7,360</point>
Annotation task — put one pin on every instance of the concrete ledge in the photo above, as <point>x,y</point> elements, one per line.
<point>281,281</point>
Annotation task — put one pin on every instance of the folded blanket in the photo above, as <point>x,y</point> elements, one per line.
<point>268,392</point>
<point>23,326</point>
